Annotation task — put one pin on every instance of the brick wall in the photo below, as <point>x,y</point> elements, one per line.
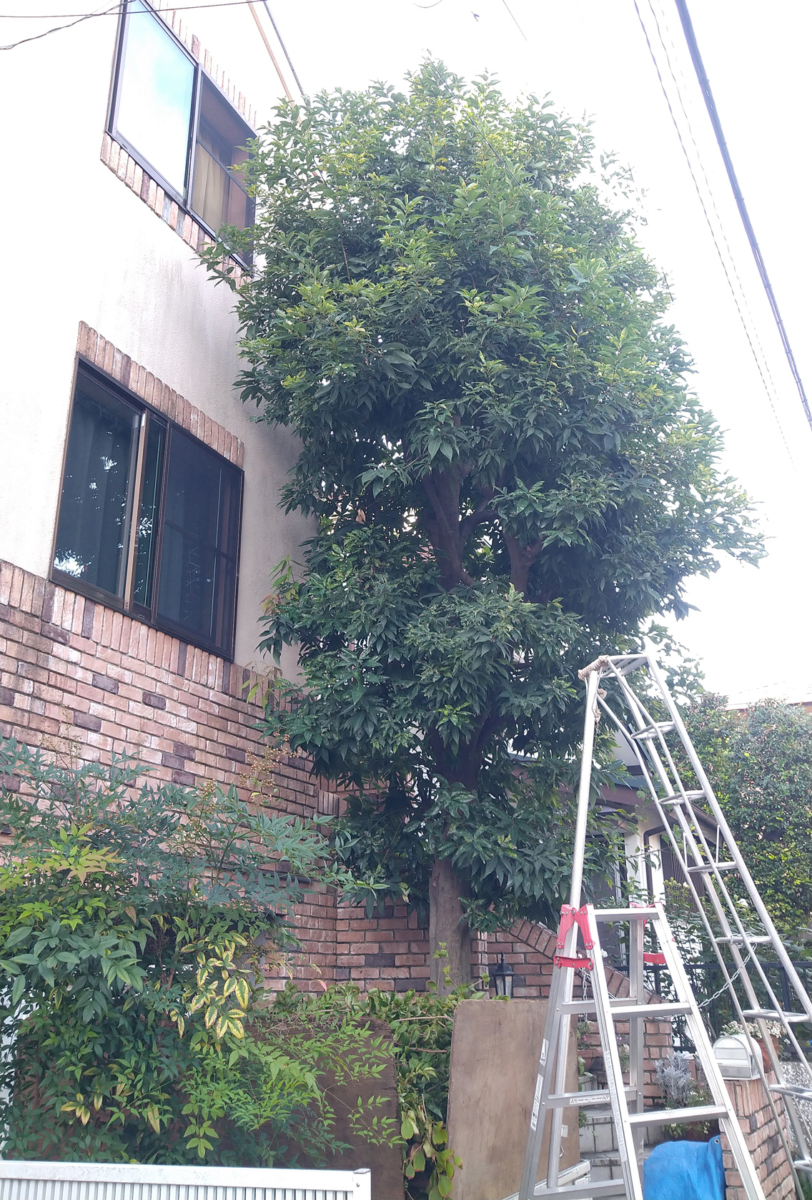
<point>83,681</point>
<point>763,1142</point>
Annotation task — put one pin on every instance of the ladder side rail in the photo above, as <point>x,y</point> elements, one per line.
<point>727,833</point>
<point>560,989</point>
<point>644,718</point>
<point>742,973</point>
<point>558,1074</point>
<point>584,784</point>
<point>614,1075</point>
<point>557,1023</point>
<point>690,830</point>
<point>576,886</point>
<point>640,755</point>
<point>637,1029</point>
<point>739,961</point>
<point>710,1067</point>
<point>688,835</point>
<point>681,856</point>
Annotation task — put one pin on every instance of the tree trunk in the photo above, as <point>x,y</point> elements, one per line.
<point>448,930</point>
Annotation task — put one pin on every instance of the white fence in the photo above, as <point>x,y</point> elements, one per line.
<point>103,1181</point>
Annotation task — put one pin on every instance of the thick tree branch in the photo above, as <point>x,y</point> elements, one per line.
<point>521,559</point>
<point>443,491</point>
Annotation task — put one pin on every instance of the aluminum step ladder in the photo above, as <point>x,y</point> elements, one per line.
<point>649,718</point>
<point>626,1102</point>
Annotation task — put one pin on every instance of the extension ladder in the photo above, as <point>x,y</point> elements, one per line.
<point>707,870</point>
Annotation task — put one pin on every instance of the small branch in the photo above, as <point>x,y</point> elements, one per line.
<point>478,517</point>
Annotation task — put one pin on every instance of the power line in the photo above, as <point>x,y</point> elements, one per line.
<point>710,104</point>
<point>114,10</point>
<point>121,7</point>
<point>711,228</point>
<point>513,19</point>
<point>720,222</point>
<point>284,48</point>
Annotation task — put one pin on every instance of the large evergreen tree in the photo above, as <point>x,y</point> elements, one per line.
<point>506,471</point>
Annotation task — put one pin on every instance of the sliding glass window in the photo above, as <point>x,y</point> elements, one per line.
<point>174,120</point>
<point>149,519</point>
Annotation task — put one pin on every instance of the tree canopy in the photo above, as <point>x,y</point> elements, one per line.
<point>506,469</point>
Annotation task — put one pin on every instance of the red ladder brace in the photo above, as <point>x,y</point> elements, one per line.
<point>577,916</point>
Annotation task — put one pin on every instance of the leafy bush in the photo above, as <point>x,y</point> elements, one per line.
<point>136,923</point>
<point>421,1026</point>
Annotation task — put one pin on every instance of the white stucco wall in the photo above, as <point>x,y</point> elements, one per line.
<point>80,246</point>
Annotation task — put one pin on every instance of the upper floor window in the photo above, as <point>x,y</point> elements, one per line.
<point>174,121</point>
<point>149,518</point>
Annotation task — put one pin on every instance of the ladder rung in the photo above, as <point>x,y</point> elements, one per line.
<point>651,1012</point>
<point>590,1006</point>
<point>651,731</point>
<point>664,1116</point>
<point>760,939</point>
<point>580,1191</point>
<point>772,1014</point>
<point>680,798</point>
<point>583,1099</point>
<point>793,1090</point>
<point>646,913</point>
<point>630,662</point>
<point>703,868</point>
<point>803,1164</point>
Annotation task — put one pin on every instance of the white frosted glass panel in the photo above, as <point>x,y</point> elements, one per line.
<point>155,96</point>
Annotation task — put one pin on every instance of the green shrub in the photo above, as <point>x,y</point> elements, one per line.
<point>421,1026</point>
<point>136,921</point>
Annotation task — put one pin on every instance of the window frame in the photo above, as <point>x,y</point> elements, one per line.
<point>183,202</point>
<point>126,604</point>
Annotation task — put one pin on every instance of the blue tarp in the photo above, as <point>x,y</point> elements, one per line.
<point>685,1171</point>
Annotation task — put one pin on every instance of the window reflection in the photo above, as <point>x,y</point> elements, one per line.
<point>155,92</point>
<point>94,515</point>
<point>147,527</point>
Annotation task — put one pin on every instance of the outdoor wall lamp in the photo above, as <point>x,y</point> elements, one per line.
<point>502,976</point>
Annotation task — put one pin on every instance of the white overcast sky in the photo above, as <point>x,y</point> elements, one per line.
<point>750,629</point>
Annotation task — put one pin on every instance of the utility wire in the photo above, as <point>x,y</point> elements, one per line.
<point>712,230</point>
<point>115,10</point>
<point>121,7</point>
<point>711,196</point>
<point>513,19</point>
<point>710,104</point>
<point>284,48</point>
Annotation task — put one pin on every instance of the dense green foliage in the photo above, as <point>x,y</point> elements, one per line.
<point>134,926</point>
<point>759,762</point>
<point>507,472</point>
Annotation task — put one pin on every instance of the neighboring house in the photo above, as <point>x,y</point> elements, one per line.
<point>139,517</point>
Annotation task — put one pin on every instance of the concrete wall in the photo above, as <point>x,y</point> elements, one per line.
<point>82,246</point>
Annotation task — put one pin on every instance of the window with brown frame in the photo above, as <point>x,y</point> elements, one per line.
<point>177,124</point>
<point>149,518</point>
